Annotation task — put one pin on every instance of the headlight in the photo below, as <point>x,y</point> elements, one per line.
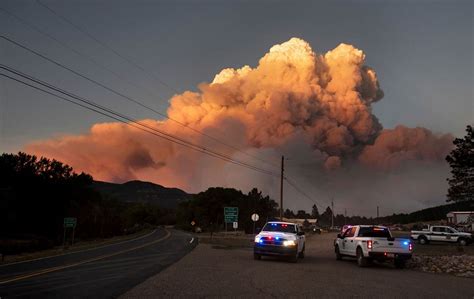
<point>257,239</point>
<point>289,243</point>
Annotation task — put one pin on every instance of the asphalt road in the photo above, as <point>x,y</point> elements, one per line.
<point>212,272</point>
<point>104,272</point>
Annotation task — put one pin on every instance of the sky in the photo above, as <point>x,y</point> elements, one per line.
<point>422,52</point>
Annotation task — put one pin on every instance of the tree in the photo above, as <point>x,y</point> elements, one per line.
<point>315,212</point>
<point>301,214</point>
<point>461,161</point>
<point>289,214</point>
<point>326,217</point>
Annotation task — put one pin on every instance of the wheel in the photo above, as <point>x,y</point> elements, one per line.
<point>257,256</point>
<point>462,242</point>
<point>294,258</point>
<point>361,260</point>
<point>301,254</point>
<point>422,240</point>
<point>338,253</point>
<point>399,263</point>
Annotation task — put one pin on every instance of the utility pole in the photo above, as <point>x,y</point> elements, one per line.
<point>345,216</point>
<point>281,187</point>
<point>377,212</point>
<point>332,213</point>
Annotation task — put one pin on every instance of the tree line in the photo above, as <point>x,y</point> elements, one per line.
<point>36,194</point>
<point>206,209</point>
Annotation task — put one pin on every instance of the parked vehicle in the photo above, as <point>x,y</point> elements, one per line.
<point>280,239</point>
<point>368,243</point>
<point>441,233</point>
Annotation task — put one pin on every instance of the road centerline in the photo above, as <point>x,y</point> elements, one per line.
<point>57,268</point>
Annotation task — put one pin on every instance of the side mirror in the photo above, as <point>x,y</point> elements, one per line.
<point>300,233</point>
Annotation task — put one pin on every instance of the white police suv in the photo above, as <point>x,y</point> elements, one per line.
<point>280,239</point>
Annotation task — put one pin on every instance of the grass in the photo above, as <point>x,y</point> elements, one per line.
<point>227,240</point>
<point>59,250</point>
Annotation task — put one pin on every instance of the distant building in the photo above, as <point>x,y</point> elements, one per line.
<point>301,221</point>
<point>458,218</point>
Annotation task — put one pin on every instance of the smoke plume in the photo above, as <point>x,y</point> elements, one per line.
<point>315,108</point>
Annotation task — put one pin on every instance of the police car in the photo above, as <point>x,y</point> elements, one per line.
<point>280,239</point>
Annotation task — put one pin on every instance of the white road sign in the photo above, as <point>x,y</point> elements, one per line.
<point>255,217</point>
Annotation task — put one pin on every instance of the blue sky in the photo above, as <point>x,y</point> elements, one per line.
<point>422,52</point>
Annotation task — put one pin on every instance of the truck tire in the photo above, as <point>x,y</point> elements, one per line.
<point>361,260</point>
<point>294,258</point>
<point>338,253</point>
<point>422,240</point>
<point>462,241</point>
<point>257,256</point>
<point>399,263</point>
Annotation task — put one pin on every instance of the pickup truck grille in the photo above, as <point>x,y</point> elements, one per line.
<point>271,241</point>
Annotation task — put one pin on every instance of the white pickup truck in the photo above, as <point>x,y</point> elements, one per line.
<point>441,233</point>
<point>368,243</point>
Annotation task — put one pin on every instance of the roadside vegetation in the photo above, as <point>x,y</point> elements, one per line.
<point>36,194</point>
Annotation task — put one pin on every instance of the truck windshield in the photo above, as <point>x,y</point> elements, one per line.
<point>374,232</point>
<point>279,227</point>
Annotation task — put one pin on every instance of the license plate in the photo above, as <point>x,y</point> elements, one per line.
<point>390,255</point>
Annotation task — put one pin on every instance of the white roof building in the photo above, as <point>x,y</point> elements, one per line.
<point>456,217</point>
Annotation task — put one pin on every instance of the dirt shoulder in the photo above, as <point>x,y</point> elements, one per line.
<point>214,271</point>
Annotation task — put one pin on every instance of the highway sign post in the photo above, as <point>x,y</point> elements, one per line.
<point>231,215</point>
<point>254,218</point>
<point>69,222</point>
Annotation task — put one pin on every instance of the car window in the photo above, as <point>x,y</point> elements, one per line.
<point>374,232</point>
<point>436,229</point>
<point>350,232</point>
<point>280,227</point>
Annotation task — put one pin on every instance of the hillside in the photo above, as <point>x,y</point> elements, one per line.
<point>429,214</point>
<point>144,192</point>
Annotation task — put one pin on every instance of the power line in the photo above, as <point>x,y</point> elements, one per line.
<point>293,184</point>
<point>78,28</point>
<point>150,74</point>
<point>125,119</point>
<point>92,60</point>
<point>125,96</point>
<point>193,146</point>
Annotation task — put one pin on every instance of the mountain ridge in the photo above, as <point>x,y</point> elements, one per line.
<point>137,191</point>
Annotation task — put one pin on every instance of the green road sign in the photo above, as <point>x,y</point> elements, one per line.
<point>70,222</point>
<point>231,214</point>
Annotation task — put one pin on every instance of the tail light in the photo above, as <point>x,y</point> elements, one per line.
<point>369,244</point>
<point>410,247</point>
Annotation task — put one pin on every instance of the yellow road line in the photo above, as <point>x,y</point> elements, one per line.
<point>53,269</point>
<point>78,251</point>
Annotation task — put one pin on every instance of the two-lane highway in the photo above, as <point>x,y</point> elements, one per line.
<point>101,272</point>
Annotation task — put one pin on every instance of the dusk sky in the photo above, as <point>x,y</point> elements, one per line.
<point>421,51</point>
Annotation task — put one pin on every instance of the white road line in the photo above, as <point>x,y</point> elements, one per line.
<point>89,249</point>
